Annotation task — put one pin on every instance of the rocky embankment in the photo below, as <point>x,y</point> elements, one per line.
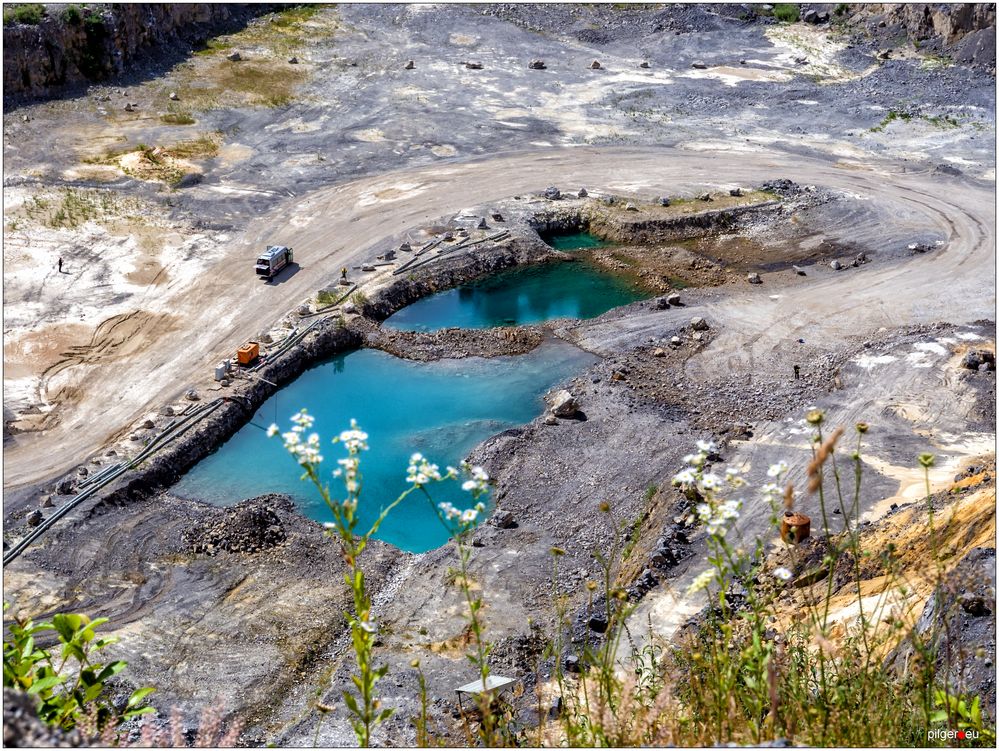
<point>455,342</point>
<point>65,51</point>
<point>965,32</point>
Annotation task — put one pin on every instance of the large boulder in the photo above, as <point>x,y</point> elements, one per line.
<point>552,193</point>
<point>563,404</point>
<point>698,324</point>
<point>974,359</point>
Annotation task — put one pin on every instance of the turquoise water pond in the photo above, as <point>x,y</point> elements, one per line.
<point>573,240</point>
<point>520,296</point>
<point>441,409</point>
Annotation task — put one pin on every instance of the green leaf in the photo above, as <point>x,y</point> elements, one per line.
<point>92,692</point>
<point>111,669</point>
<point>138,712</point>
<point>63,626</point>
<point>44,683</point>
<point>138,695</point>
<point>351,702</point>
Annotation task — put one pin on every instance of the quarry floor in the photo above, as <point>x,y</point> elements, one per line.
<point>158,287</point>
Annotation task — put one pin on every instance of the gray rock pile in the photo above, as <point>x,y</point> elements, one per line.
<point>248,527</point>
<point>979,359</point>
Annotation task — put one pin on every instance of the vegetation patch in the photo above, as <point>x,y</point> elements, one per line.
<point>263,77</point>
<point>69,208</point>
<point>165,164</point>
<point>890,118</point>
<point>177,118</point>
<point>26,13</point>
<point>787,12</point>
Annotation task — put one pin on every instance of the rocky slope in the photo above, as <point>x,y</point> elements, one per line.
<point>965,32</point>
<point>56,55</point>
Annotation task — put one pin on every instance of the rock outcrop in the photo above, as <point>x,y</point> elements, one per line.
<point>52,57</point>
<point>963,31</point>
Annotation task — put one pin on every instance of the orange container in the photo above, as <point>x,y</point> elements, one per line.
<point>248,353</point>
<point>795,527</point>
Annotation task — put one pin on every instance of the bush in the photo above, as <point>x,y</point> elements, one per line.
<point>71,14</point>
<point>69,684</point>
<point>841,9</point>
<point>177,118</point>
<point>26,13</point>
<point>787,12</point>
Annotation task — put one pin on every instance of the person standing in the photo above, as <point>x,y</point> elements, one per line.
<point>60,264</point>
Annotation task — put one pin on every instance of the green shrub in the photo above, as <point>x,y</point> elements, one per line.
<point>787,12</point>
<point>68,683</point>
<point>841,9</point>
<point>71,14</point>
<point>177,118</point>
<point>26,13</point>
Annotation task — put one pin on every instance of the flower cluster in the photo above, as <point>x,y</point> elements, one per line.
<point>465,518</point>
<point>354,440</point>
<point>477,482</point>
<point>713,511</point>
<point>305,450</point>
<point>718,515</point>
<point>702,580</point>
<point>421,472</point>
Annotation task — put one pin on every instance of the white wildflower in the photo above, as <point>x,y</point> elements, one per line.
<point>273,430</point>
<point>478,482</point>
<point>421,472</point>
<point>706,447</point>
<point>685,477</point>
<point>701,582</point>
<point>696,460</point>
<point>449,511</point>
<point>776,470</point>
<point>730,509</point>
<point>354,440</point>
<point>710,481</point>
<point>782,573</point>
<point>468,516</point>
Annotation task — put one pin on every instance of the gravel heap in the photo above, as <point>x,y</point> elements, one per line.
<point>248,527</point>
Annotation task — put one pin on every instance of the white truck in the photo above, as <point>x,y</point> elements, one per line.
<point>272,260</point>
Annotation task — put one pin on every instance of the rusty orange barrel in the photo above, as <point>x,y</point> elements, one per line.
<point>794,527</point>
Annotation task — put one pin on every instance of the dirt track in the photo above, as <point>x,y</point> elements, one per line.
<point>348,223</point>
